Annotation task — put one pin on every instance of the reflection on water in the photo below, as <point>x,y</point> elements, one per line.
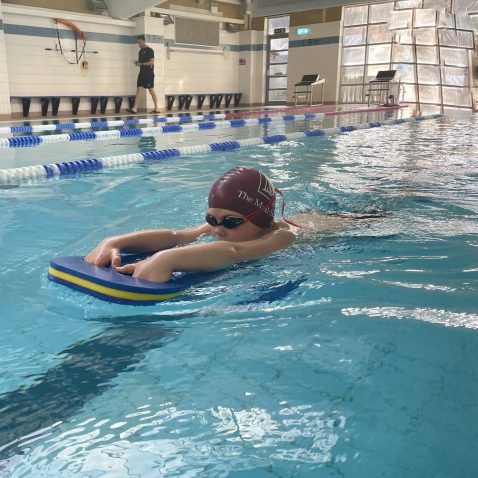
<point>147,143</point>
<point>86,370</point>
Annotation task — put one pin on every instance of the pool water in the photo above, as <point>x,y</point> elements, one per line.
<point>67,151</point>
<point>353,354</point>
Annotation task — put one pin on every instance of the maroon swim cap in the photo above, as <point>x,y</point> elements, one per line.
<point>246,191</point>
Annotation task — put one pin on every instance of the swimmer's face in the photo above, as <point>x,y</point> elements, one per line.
<point>141,43</point>
<point>244,232</point>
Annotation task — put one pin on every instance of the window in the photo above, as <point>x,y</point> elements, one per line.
<point>353,56</point>
<point>275,23</point>
<point>429,94</point>
<point>426,36</point>
<point>399,20</point>
<point>352,74</point>
<point>279,44</point>
<point>403,54</point>
<point>455,76</point>
<point>455,97</point>
<point>379,53</point>
<point>423,40</point>
<point>405,72</point>
<point>425,18</point>
<point>354,36</point>
<point>456,38</point>
<point>428,75</point>
<point>427,54</point>
<point>277,59</point>
<point>356,15</point>
<point>380,12</point>
<point>454,57</point>
<point>379,33</point>
<point>401,4</point>
<point>352,94</point>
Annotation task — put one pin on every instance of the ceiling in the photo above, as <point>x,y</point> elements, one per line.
<point>263,8</point>
<point>260,8</point>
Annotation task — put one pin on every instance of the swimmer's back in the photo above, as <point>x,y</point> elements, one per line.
<point>332,222</point>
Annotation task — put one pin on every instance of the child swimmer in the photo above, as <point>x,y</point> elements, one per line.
<point>240,215</point>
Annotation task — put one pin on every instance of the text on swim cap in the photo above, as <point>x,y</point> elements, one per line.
<point>255,202</point>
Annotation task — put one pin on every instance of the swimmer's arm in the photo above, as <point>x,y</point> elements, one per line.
<point>217,255</point>
<point>108,251</point>
<point>157,239</point>
<point>207,257</point>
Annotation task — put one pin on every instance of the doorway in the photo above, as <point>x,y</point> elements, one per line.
<point>277,60</point>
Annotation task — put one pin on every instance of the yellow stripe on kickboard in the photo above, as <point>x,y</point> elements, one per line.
<point>108,291</point>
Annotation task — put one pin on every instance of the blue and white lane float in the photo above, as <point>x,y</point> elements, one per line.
<point>109,123</point>
<point>45,171</point>
<point>135,121</point>
<point>32,141</point>
<point>177,119</point>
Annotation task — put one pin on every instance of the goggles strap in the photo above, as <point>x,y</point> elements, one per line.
<point>269,203</point>
<point>278,191</point>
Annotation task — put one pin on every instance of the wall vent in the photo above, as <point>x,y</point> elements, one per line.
<point>190,31</point>
<point>97,5</point>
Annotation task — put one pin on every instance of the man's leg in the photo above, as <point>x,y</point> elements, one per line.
<point>139,93</point>
<point>155,99</point>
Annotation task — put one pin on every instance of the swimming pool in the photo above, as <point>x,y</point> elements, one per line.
<point>349,355</point>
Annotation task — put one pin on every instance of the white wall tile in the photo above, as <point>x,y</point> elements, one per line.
<point>28,69</point>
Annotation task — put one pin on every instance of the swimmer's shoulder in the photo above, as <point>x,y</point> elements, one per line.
<point>284,226</point>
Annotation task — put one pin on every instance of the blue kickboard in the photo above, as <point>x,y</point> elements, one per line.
<point>107,284</point>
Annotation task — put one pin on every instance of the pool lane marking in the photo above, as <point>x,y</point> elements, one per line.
<point>32,141</point>
<point>178,119</point>
<point>41,172</point>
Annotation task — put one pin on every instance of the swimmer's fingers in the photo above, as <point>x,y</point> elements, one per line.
<point>104,254</point>
<point>115,258</point>
<point>128,269</point>
<point>90,258</point>
<point>97,258</point>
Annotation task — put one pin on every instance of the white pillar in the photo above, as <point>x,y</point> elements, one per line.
<point>5,108</point>
<point>251,74</point>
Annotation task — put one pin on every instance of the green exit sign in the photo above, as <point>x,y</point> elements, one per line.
<point>303,31</point>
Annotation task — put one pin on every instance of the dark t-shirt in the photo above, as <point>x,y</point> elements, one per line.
<point>144,55</point>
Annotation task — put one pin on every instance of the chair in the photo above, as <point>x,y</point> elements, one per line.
<point>379,87</point>
<point>303,91</point>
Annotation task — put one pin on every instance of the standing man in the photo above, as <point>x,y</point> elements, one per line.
<point>146,74</point>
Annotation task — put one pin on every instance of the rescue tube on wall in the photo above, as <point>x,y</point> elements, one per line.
<point>71,25</point>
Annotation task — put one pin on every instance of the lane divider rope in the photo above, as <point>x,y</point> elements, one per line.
<point>324,108</point>
<point>45,171</point>
<point>173,119</point>
<point>32,141</point>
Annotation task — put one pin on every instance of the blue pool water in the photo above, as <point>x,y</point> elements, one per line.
<point>346,355</point>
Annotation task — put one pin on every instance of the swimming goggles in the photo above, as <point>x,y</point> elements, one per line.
<point>229,222</point>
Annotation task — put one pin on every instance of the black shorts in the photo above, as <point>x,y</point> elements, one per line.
<point>146,79</point>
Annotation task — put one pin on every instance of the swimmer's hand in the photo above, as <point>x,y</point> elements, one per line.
<point>104,254</point>
<point>154,269</point>
<point>108,251</point>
